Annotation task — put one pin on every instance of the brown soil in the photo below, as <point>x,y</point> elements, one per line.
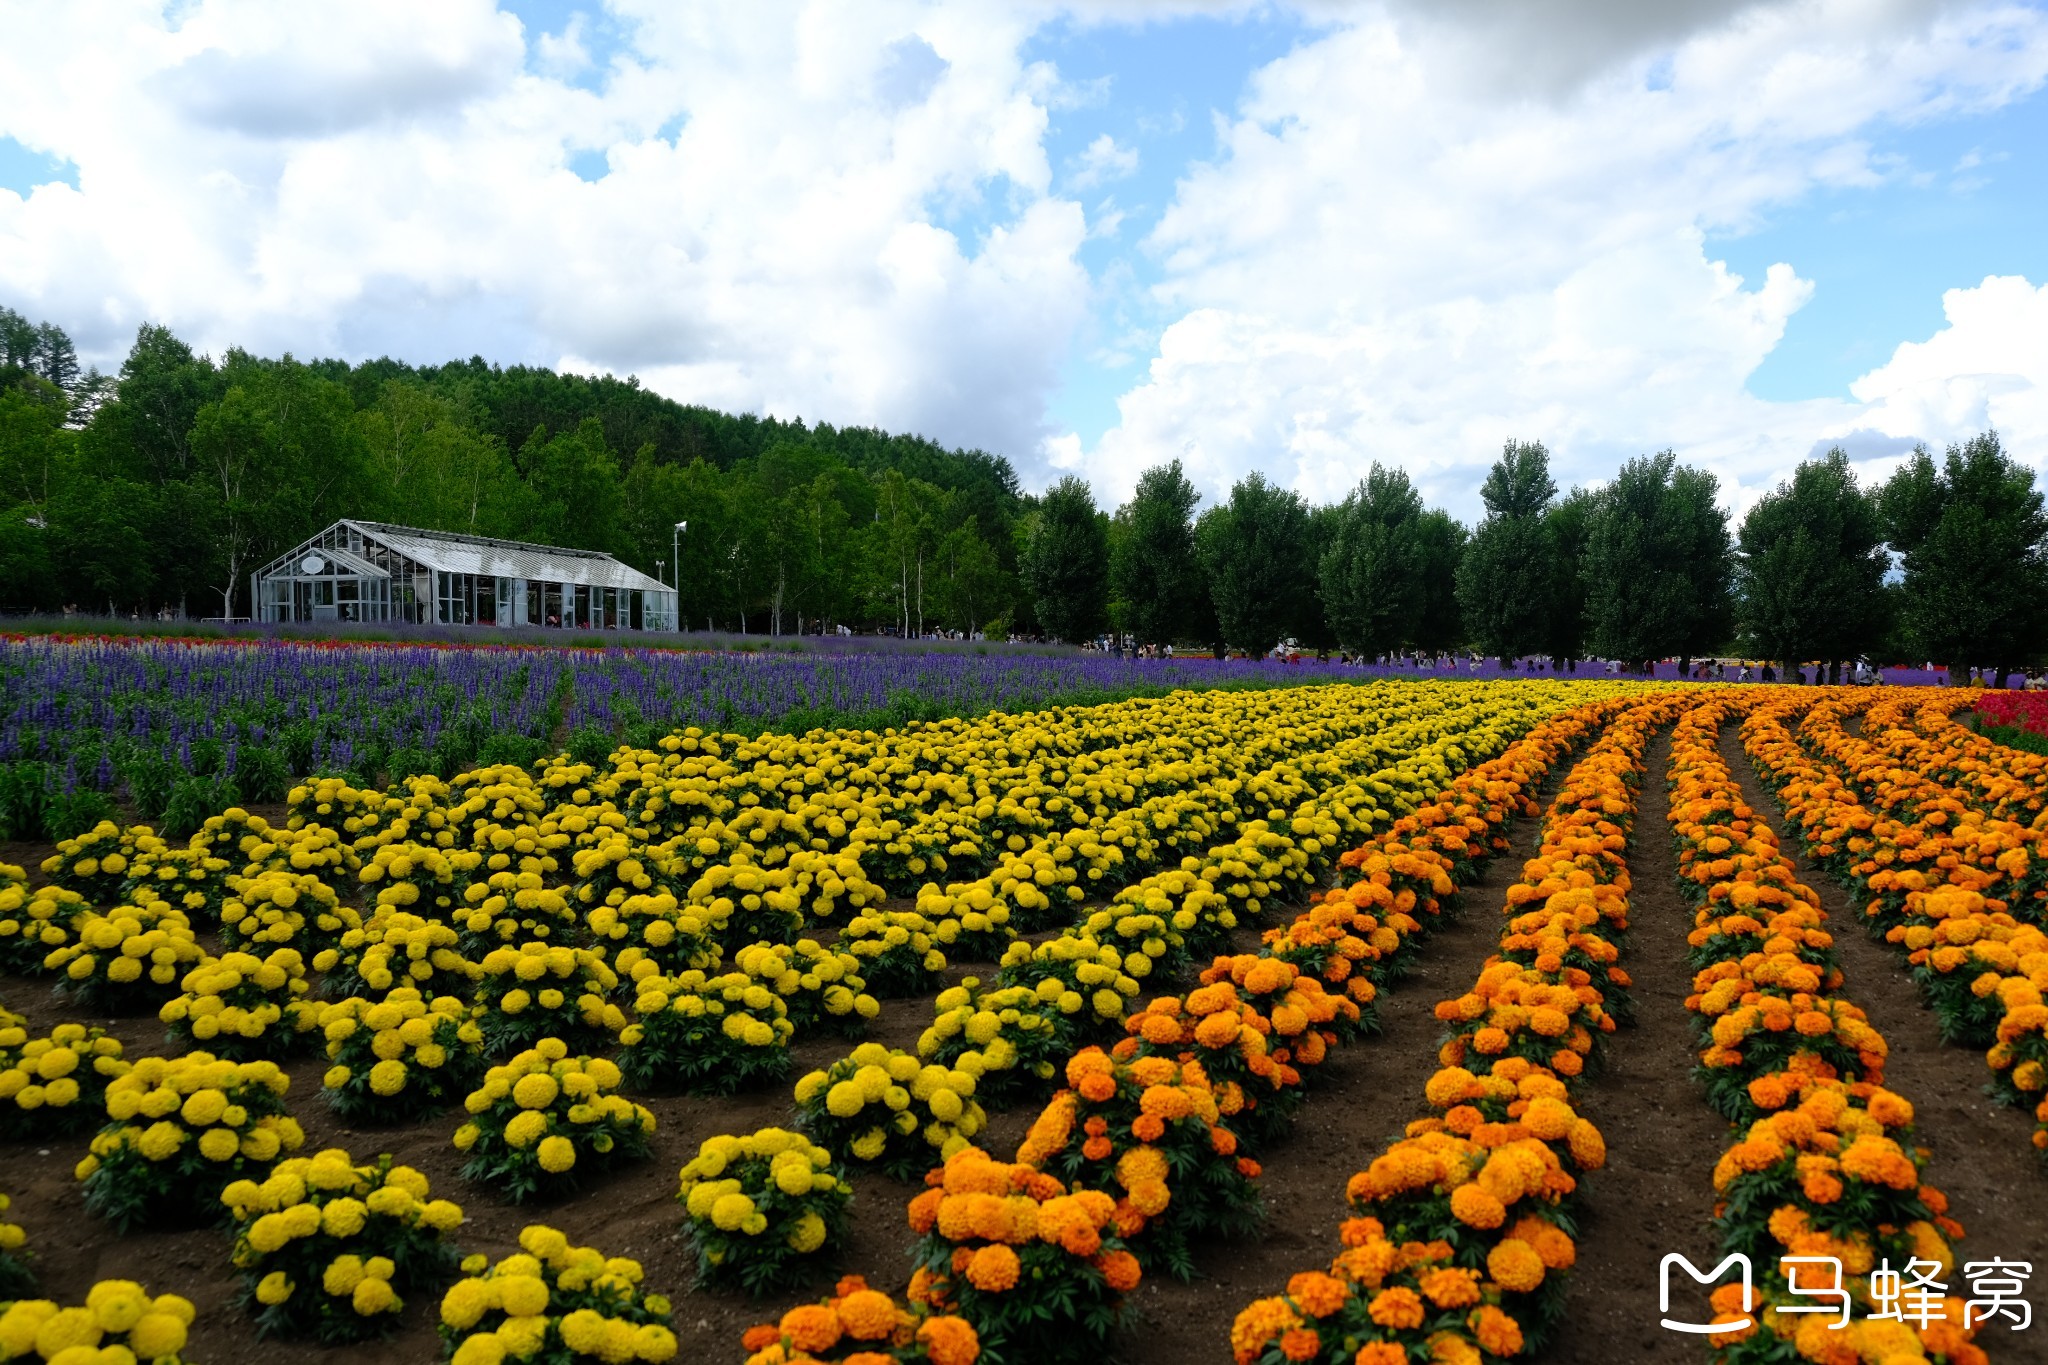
<point>1656,1194</point>
<point>1980,1153</point>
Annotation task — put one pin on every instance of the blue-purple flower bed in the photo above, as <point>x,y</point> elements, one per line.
<point>180,729</point>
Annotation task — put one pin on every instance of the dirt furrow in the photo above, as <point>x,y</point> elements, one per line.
<point>1656,1194</point>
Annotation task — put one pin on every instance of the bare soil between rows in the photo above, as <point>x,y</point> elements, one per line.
<point>1656,1193</point>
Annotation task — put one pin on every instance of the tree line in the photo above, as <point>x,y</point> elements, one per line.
<point>163,486</point>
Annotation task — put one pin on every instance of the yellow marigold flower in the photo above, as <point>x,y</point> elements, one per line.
<point>160,1333</point>
<point>522,1295</point>
<point>374,1295</point>
<point>557,1154</point>
<point>343,1218</point>
<point>344,1273</point>
<point>808,1234</point>
<point>526,1128</point>
<point>535,1091</point>
<point>388,1077</point>
<point>465,1303</point>
<point>160,1141</point>
<point>219,1144</point>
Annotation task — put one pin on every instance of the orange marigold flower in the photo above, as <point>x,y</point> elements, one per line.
<point>1452,1348</point>
<point>812,1327</point>
<point>1490,1041</point>
<point>1259,1323</point>
<point>1397,1307</point>
<point>1381,1353</point>
<point>1496,1331</point>
<point>1589,1149</point>
<point>949,1341</point>
<point>1222,1141</point>
<point>1356,1232</point>
<point>1813,1024</point>
<point>1474,1207</point>
<point>1160,1029</point>
<point>1451,1084</point>
<point>1448,1287</point>
<point>1300,1343</point>
<point>1121,1270</point>
<point>760,1337</point>
<point>1097,1149</point>
<point>1140,1164</point>
<point>1515,1265</point>
<point>1096,1086</point>
<point>924,1210</point>
<point>1166,1102</point>
<point>1317,1294</point>
<point>1148,1071</point>
<point>994,1269</point>
<point>868,1315</point>
<point>1150,1197</point>
<point>1547,1118</point>
<point>1148,1127</point>
<point>1879,1160</point>
<point>1893,1111</point>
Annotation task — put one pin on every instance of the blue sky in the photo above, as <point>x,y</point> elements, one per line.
<point>1970,199</point>
<point>1090,235</point>
<point>23,168</point>
<point>1157,89</point>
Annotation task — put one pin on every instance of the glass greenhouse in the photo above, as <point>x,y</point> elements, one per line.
<point>370,571</point>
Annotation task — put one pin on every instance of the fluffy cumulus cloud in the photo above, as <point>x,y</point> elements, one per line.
<point>749,206</point>
<point>1987,368</point>
<point>1426,231</point>
<point>1431,225</point>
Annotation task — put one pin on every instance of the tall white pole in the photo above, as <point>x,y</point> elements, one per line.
<point>674,545</point>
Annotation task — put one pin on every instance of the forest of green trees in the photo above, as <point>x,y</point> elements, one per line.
<point>163,486</point>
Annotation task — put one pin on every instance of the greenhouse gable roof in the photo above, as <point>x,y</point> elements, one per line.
<point>448,552</point>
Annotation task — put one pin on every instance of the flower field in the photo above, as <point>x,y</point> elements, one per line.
<point>1167,1028</point>
<point>182,729</point>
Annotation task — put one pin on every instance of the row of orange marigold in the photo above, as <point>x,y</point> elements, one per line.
<point>1942,835</point>
<point>1150,1149</point>
<point>1460,1237</point>
<point>1821,1160</point>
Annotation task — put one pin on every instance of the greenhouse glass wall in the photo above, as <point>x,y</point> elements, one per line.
<point>370,571</point>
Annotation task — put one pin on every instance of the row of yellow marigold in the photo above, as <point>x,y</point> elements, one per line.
<point>1458,1242</point>
<point>1797,1068</point>
<point>1911,816</point>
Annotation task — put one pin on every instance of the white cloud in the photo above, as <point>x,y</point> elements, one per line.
<point>1101,162</point>
<point>1987,368</point>
<point>1396,257</point>
<point>773,231</point>
<point>563,54</point>
<point>1431,225</point>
